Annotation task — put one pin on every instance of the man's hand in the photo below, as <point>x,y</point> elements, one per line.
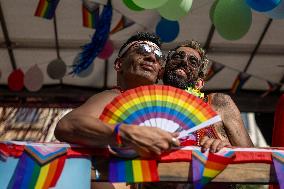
<point>148,141</point>
<point>214,145</point>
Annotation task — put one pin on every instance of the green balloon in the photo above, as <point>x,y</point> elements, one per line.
<point>174,10</point>
<point>150,4</point>
<point>232,18</point>
<point>131,5</point>
<point>212,9</point>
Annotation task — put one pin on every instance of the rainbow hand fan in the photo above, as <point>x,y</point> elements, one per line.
<point>161,106</point>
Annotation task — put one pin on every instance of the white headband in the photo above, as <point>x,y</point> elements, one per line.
<point>134,42</point>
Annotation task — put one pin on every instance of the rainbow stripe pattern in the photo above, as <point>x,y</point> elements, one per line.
<point>90,17</point>
<point>278,162</point>
<point>206,166</point>
<point>30,174</point>
<point>46,8</point>
<point>137,170</point>
<point>123,23</point>
<point>160,106</point>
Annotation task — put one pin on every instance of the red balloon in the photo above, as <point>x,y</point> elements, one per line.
<point>107,50</point>
<point>16,80</point>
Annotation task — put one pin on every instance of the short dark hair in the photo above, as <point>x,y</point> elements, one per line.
<point>204,59</point>
<point>143,36</point>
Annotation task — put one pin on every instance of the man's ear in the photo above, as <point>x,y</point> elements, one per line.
<point>199,84</point>
<point>117,64</point>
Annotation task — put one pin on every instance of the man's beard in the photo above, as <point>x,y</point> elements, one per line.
<point>173,79</point>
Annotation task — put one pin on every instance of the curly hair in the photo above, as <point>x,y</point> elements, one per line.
<point>143,36</point>
<point>204,59</point>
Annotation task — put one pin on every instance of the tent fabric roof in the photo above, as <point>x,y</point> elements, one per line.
<point>33,42</point>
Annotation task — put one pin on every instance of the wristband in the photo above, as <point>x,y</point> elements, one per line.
<point>117,134</point>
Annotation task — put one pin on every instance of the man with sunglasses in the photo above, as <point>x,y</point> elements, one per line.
<point>138,63</point>
<point>186,68</point>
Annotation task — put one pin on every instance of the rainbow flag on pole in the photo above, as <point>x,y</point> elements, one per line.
<point>90,15</point>
<point>137,170</point>
<point>46,8</point>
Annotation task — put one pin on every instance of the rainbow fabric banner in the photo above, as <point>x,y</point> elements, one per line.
<point>30,174</point>
<point>239,82</point>
<point>137,170</point>
<point>278,162</point>
<point>206,166</point>
<point>46,8</point>
<point>123,23</point>
<point>91,15</point>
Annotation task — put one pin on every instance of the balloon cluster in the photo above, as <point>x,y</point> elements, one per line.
<point>170,10</point>
<point>232,18</point>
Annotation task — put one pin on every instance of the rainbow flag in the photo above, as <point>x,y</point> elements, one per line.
<point>214,69</point>
<point>30,174</point>
<point>239,82</point>
<point>46,8</point>
<point>90,15</point>
<point>206,167</point>
<point>278,162</point>
<point>137,170</point>
<point>123,23</point>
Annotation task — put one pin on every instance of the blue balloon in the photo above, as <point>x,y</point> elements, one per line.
<point>167,30</point>
<point>278,12</point>
<point>263,5</point>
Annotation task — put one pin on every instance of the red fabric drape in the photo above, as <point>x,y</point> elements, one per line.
<point>278,129</point>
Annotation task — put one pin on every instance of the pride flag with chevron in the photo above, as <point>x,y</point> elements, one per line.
<point>278,162</point>
<point>46,8</point>
<point>206,166</point>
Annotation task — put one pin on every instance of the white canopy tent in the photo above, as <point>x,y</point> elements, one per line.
<point>32,41</point>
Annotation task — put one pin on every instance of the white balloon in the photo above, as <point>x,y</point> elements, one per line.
<point>33,79</point>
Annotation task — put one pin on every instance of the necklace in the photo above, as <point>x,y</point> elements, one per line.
<point>202,132</point>
<point>195,92</point>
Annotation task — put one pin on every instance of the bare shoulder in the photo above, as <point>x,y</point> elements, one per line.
<point>95,104</point>
<point>220,99</point>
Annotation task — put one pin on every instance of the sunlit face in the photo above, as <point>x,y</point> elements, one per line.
<point>141,62</point>
<point>182,68</point>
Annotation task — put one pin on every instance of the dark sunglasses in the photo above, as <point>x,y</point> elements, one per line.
<point>181,55</point>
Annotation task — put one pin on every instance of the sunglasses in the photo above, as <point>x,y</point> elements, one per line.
<point>145,49</point>
<point>181,55</point>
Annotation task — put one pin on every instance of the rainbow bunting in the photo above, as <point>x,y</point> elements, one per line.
<point>206,167</point>
<point>90,15</point>
<point>214,69</point>
<point>123,23</point>
<point>239,82</point>
<point>278,162</point>
<point>137,170</point>
<point>30,174</point>
<point>46,8</point>
<point>271,87</point>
